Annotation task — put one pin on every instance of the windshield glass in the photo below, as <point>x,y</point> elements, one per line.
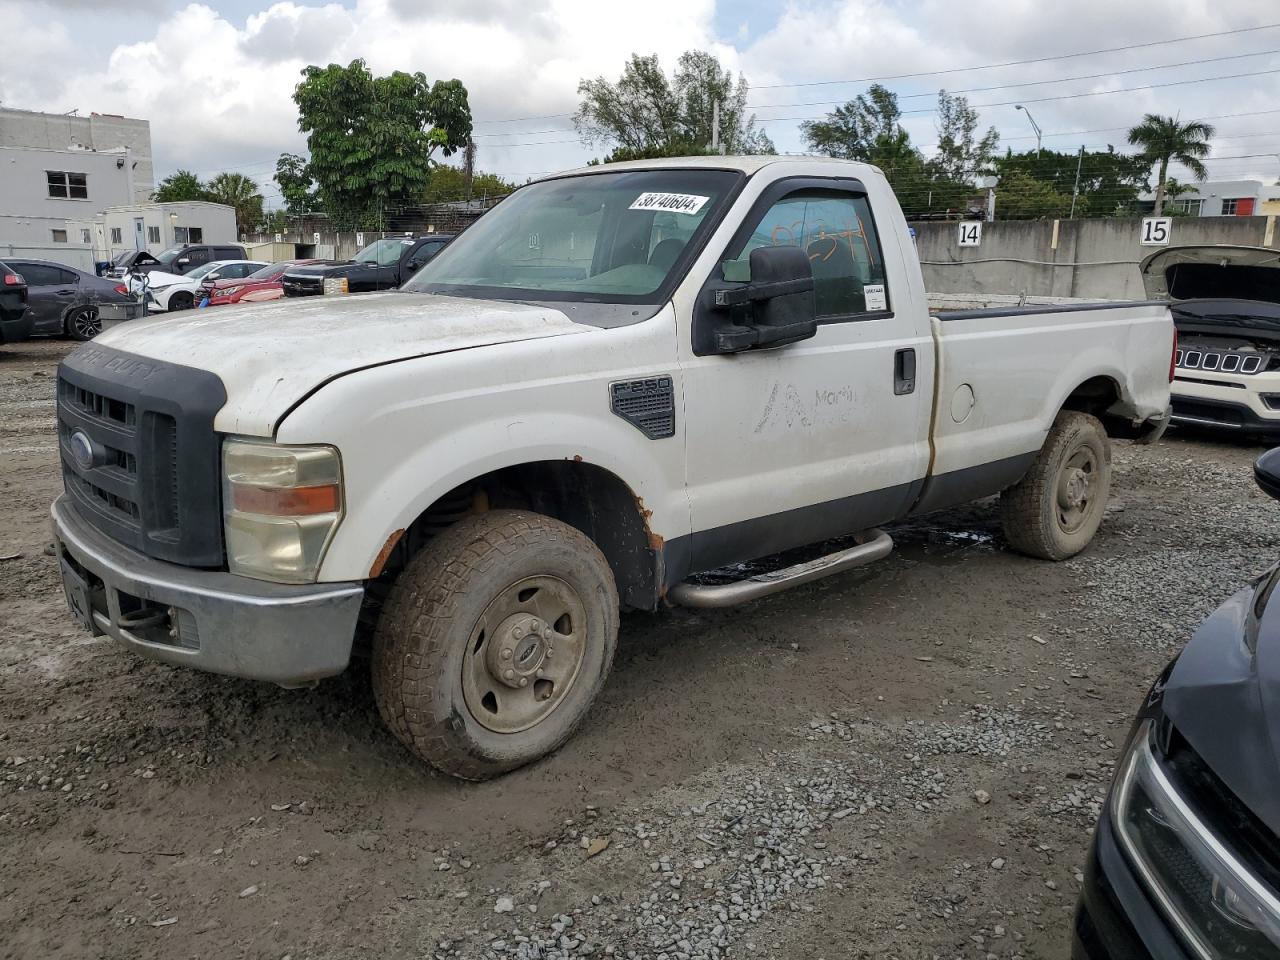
<point>385,252</point>
<point>169,255</point>
<point>609,237</point>
<point>197,272</point>
<point>272,271</point>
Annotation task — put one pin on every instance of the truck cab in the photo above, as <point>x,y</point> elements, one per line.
<point>619,378</point>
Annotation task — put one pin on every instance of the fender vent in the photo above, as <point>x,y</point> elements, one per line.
<point>649,405</point>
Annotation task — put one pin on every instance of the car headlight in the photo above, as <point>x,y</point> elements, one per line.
<point>281,505</point>
<point>227,291</point>
<point>1221,908</point>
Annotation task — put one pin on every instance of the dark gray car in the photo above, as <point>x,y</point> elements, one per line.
<point>62,300</point>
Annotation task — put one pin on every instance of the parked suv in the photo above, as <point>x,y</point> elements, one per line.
<point>186,258</point>
<point>15,325</point>
<point>1185,861</point>
<point>383,265</point>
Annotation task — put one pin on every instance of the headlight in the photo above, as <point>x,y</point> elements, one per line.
<point>1221,908</point>
<point>226,291</point>
<point>281,505</point>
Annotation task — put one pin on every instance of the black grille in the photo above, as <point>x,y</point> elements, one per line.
<point>295,286</point>
<point>139,454</point>
<point>648,404</point>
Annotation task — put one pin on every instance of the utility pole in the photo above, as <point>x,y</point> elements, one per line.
<point>715,127</point>
<point>1076,192</point>
<point>1034,126</point>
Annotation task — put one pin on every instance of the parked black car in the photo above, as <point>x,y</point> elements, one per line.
<point>1185,862</point>
<point>383,265</point>
<point>15,324</point>
<point>177,260</point>
<point>65,301</point>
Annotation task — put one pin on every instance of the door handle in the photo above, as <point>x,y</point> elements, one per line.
<point>65,293</point>
<point>904,371</point>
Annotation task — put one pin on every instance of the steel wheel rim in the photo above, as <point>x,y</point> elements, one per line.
<point>1077,490</point>
<point>86,323</point>
<point>524,654</point>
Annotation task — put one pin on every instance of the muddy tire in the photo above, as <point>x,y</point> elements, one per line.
<point>1054,511</point>
<point>494,641</point>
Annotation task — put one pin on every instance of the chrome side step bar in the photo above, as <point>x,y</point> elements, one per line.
<point>761,585</point>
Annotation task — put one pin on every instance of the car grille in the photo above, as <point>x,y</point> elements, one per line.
<point>302,286</point>
<point>1222,361</point>
<point>139,454</point>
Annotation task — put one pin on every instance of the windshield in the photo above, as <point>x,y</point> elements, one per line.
<point>385,252</point>
<point>197,272</point>
<point>272,271</point>
<point>608,237</point>
<point>169,255</point>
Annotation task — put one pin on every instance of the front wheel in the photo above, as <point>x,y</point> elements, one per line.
<point>494,641</point>
<point>1054,511</point>
<point>83,323</point>
<point>181,301</point>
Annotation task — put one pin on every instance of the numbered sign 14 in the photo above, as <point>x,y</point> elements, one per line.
<point>970,233</point>
<point>1156,231</point>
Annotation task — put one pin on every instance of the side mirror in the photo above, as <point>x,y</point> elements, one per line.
<point>413,264</point>
<point>183,262</point>
<point>1266,473</point>
<point>775,307</point>
<point>212,276</point>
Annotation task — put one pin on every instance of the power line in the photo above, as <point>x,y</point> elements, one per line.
<point>1018,63</point>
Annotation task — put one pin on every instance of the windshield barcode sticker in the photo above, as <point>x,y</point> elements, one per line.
<point>671,202</point>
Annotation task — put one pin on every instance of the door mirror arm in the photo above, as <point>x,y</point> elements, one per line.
<point>774,308</point>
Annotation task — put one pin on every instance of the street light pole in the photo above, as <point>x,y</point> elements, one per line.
<point>1034,126</point>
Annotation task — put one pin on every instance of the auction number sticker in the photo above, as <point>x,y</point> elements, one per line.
<point>876,299</point>
<point>670,202</point>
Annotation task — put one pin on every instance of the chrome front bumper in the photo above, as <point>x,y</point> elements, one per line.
<point>207,619</point>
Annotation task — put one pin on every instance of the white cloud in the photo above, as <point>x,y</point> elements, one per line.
<point>218,89</point>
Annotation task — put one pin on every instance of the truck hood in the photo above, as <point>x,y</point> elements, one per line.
<point>1213,273</point>
<point>324,269</point>
<point>1224,697</point>
<point>270,356</point>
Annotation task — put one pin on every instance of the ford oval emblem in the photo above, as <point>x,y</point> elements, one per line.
<point>82,450</point>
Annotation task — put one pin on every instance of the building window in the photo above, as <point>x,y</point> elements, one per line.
<point>1191,207</point>
<point>153,234</point>
<point>115,235</point>
<point>59,236</point>
<point>68,186</point>
<point>1230,207</point>
<point>85,236</point>
<point>188,234</point>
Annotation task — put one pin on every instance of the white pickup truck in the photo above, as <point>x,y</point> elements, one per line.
<point>617,379</point>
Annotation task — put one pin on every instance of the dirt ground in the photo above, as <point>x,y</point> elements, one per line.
<point>799,777</point>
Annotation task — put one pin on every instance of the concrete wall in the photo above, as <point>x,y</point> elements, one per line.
<point>1091,259</point>
<point>55,131</point>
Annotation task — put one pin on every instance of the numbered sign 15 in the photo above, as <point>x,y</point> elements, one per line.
<point>1156,231</point>
<point>970,233</point>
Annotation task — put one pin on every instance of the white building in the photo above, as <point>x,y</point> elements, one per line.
<point>96,132</point>
<point>159,226</point>
<point>1221,198</point>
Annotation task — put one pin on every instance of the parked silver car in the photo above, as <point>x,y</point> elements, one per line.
<point>62,300</point>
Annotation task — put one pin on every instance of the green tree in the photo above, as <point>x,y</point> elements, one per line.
<point>450,183</point>
<point>183,185</point>
<point>645,114</point>
<point>962,154</point>
<point>238,191</point>
<point>295,183</point>
<point>1022,197</point>
<point>1164,140</point>
<point>869,128</point>
<point>1110,182</point>
<point>372,139</point>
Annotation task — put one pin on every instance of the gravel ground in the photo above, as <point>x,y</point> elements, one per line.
<point>901,762</point>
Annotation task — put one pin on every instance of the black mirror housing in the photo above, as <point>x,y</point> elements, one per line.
<point>774,308</point>
<point>1266,473</point>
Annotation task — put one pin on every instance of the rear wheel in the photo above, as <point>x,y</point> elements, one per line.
<point>494,641</point>
<point>83,323</point>
<point>181,301</point>
<point>1054,511</point>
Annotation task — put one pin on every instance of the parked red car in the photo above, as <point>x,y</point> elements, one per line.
<point>263,285</point>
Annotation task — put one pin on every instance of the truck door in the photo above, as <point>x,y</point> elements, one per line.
<point>826,436</point>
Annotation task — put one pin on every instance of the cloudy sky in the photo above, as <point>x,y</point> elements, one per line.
<point>215,78</point>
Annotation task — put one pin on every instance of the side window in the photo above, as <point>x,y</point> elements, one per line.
<point>38,274</point>
<point>837,233</point>
<point>66,276</point>
<point>197,256</point>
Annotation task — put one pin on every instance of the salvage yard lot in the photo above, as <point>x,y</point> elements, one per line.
<point>902,762</point>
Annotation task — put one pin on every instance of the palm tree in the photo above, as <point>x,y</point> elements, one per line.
<point>237,190</point>
<point>1164,139</point>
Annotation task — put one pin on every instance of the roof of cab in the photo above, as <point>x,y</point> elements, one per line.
<point>747,165</point>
